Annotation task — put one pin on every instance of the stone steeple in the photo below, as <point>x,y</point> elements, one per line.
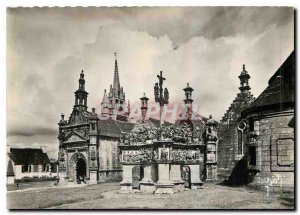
<point>116,84</point>
<point>116,97</point>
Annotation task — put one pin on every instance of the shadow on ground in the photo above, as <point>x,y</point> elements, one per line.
<point>240,174</point>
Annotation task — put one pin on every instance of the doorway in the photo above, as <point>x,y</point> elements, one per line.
<point>81,170</point>
<point>137,176</point>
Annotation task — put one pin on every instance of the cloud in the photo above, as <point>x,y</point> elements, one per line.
<point>47,49</point>
<point>17,131</point>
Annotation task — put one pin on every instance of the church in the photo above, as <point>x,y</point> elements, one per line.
<point>89,143</point>
<point>256,136</point>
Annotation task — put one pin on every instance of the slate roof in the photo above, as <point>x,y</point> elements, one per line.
<point>125,126</point>
<point>156,122</point>
<point>197,120</point>
<point>280,91</point>
<point>113,128</point>
<point>28,156</point>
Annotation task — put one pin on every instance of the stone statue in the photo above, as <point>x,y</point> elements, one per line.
<point>164,153</point>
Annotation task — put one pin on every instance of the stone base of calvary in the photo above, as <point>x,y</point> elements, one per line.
<point>168,159</point>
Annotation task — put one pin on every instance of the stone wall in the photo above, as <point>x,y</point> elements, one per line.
<point>275,150</point>
<point>109,166</point>
<point>227,145</point>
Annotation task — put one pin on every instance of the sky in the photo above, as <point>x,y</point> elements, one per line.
<point>206,46</point>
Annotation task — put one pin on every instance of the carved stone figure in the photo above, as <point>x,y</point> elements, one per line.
<point>164,153</point>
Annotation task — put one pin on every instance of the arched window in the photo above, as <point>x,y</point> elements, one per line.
<point>240,142</point>
<point>240,130</point>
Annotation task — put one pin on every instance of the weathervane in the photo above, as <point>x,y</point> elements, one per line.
<point>161,95</point>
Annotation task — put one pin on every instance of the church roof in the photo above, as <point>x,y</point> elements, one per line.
<point>125,126</point>
<point>156,122</point>
<point>280,90</point>
<point>28,156</point>
<point>197,120</point>
<point>113,128</point>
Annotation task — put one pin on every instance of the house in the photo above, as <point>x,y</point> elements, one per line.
<point>27,164</point>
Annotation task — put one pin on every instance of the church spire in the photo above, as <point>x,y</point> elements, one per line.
<point>116,84</point>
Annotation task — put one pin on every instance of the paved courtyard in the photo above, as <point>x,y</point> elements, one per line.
<point>106,196</point>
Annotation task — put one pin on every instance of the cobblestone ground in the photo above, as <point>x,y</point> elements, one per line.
<point>106,196</point>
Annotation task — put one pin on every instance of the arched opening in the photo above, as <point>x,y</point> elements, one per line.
<point>81,170</point>
<point>186,176</point>
<point>137,176</point>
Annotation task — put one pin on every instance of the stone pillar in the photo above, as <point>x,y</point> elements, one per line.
<point>147,184</point>
<point>164,185</point>
<point>175,176</point>
<point>196,182</point>
<point>211,149</point>
<point>126,183</point>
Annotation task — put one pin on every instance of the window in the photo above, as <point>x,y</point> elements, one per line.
<point>44,168</point>
<point>35,168</point>
<point>252,155</point>
<point>256,127</point>
<point>209,131</point>
<point>26,168</point>
<point>251,124</point>
<point>240,143</point>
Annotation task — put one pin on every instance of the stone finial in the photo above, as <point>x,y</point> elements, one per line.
<point>62,116</point>
<point>244,67</point>
<point>210,116</point>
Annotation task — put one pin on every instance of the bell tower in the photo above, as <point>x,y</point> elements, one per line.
<point>116,96</point>
<point>81,94</point>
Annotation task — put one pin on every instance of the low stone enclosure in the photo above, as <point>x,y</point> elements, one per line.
<point>159,163</point>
